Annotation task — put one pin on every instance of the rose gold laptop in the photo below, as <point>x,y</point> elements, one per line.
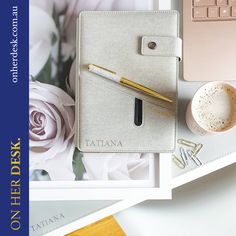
<point>209,36</point>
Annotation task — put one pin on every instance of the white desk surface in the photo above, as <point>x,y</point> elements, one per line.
<point>206,207</point>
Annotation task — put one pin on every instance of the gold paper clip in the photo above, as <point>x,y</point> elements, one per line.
<point>187,143</point>
<point>178,162</point>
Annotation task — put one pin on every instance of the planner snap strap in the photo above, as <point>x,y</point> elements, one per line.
<point>161,46</point>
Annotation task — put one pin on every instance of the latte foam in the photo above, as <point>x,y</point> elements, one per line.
<point>215,108</point>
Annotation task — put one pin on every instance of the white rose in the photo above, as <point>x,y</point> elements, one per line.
<point>42,31</point>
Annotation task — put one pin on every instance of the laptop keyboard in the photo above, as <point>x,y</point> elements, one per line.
<point>208,10</point>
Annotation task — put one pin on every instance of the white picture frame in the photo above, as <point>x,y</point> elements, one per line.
<point>157,187</point>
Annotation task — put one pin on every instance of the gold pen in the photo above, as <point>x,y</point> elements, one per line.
<point>128,83</point>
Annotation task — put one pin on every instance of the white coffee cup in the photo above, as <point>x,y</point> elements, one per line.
<point>212,109</point>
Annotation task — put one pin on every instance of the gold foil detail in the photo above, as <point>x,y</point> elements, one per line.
<point>105,227</point>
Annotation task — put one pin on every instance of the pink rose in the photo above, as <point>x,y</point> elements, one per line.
<point>51,131</point>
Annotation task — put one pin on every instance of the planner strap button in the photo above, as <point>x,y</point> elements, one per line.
<point>152,45</point>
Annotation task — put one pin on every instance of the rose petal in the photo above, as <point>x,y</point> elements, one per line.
<point>56,95</point>
<point>42,26</point>
<point>46,5</point>
<point>53,119</point>
<point>60,6</point>
<point>39,55</point>
<point>108,166</point>
<point>72,77</point>
<point>60,167</point>
<point>42,29</point>
<point>49,153</point>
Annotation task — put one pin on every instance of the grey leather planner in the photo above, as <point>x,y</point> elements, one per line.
<point>144,47</point>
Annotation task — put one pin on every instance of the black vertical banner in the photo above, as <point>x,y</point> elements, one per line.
<point>14,100</point>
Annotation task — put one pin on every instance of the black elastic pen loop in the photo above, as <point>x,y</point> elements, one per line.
<point>138,112</point>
